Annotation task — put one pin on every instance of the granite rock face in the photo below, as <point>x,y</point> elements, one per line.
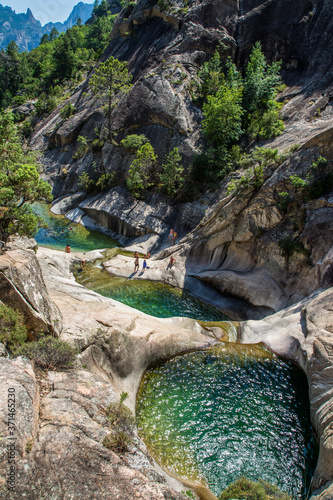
<point>66,459</point>
<point>22,287</point>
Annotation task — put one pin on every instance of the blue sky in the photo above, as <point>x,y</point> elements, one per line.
<point>45,10</point>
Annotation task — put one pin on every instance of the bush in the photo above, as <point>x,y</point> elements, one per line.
<point>105,182</point>
<point>49,353</point>
<point>67,111</point>
<point>117,442</point>
<point>97,144</point>
<point>119,415</point>
<point>83,148</point>
<point>13,332</point>
<point>251,490</point>
<point>133,142</point>
<point>122,420</point>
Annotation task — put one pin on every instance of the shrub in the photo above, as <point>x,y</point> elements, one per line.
<point>13,332</point>
<point>119,415</point>
<point>284,199</point>
<point>105,182</point>
<point>97,144</point>
<point>251,490</point>
<point>45,104</point>
<point>67,111</point>
<point>117,442</point>
<point>49,353</point>
<point>141,170</point>
<point>133,142</point>
<point>83,147</point>
<point>122,421</point>
<point>85,183</point>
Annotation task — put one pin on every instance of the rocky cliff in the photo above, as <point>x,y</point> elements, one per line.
<point>247,244</point>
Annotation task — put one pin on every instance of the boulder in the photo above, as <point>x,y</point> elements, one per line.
<point>22,287</point>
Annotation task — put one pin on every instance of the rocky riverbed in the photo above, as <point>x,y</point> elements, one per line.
<point>66,424</point>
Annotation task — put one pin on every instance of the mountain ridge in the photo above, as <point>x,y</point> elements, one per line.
<point>26,31</point>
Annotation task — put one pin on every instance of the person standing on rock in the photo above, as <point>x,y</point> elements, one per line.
<point>171,262</point>
<point>144,266</point>
<point>68,249</point>
<point>170,237</point>
<point>83,264</point>
<point>136,264</point>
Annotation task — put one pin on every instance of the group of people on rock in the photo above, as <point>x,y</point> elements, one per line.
<point>137,262</point>
<point>172,238</point>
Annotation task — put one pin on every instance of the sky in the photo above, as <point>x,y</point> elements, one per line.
<point>45,10</point>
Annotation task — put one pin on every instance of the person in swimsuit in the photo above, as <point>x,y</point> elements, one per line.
<point>136,264</point>
<point>68,249</point>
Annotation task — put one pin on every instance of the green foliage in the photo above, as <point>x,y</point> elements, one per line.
<point>109,79</point>
<point>49,353</point>
<point>97,144</point>
<point>20,185</point>
<point>251,490</point>
<point>59,59</point>
<point>284,199</point>
<point>67,111</point>
<point>118,442</point>
<point>298,183</point>
<point>258,160</point>
<point>122,421</point>
<point>164,4</point>
<point>45,104</point>
<point>105,182</point>
<point>12,329</point>
<point>133,142</point>
<point>222,124</point>
<point>83,147</point>
<point>171,177</point>
<point>265,124</point>
<point>261,80</point>
<point>140,170</point>
<point>86,183</point>
<point>236,107</point>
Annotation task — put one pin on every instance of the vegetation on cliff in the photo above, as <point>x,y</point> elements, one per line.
<point>20,184</point>
<point>238,109</point>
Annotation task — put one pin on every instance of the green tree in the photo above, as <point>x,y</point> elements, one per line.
<point>222,124</point>
<point>171,176</point>
<point>140,170</point>
<point>111,78</point>
<point>20,185</point>
<point>261,80</point>
<point>13,332</point>
<point>53,34</point>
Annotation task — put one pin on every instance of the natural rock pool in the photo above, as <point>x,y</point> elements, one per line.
<point>59,232</point>
<point>157,299</point>
<point>233,410</point>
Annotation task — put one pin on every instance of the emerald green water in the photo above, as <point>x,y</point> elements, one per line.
<point>157,299</point>
<point>228,412</point>
<point>58,234</point>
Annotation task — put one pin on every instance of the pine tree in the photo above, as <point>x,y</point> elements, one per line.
<point>111,78</point>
